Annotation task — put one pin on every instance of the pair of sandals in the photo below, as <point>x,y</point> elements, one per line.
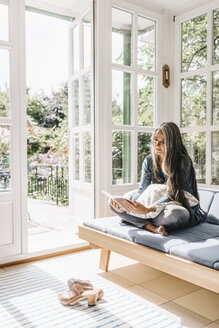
<point>80,290</point>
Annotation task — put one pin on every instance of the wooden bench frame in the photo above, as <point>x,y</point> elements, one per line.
<point>192,272</point>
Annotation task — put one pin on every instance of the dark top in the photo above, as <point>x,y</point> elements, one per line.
<point>188,177</point>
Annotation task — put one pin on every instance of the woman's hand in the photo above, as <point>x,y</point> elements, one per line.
<point>138,208</point>
<point>116,206</point>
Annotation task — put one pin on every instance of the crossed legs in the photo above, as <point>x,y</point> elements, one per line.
<point>173,217</point>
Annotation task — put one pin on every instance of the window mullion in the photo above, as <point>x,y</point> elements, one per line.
<point>214,68</point>
<point>190,73</point>
<point>177,64</point>
<point>81,134</point>
<point>134,143</point>
<point>208,157</point>
<point>210,39</point>
<point>209,96</point>
<point>81,43</point>
<point>134,41</point>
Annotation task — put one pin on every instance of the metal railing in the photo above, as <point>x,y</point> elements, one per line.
<point>49,182</point>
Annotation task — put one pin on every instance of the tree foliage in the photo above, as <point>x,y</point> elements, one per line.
<point>4,102</point>
<point>48,126</point>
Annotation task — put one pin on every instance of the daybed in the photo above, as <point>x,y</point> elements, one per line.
<point>191,254</point>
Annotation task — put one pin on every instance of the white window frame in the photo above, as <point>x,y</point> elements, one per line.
<point>81,129</point>
<point>103,97</point>
<point>208,70</point>
<point>134,70</point>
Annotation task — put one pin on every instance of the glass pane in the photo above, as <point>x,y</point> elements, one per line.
<point>194,100</point>
<point>76,49</point>
<point>87,39</point>
<point>4,31</point>
<point>146,43</point>
<point>144,147</point>
<point>76,156</point>
<point>87,156</point>
<point>215,157</point>
<point>195,144</point>
<point>4,84</point>
<point>87,98</point>
<point>146,100</point>
<point>121,37</point>
<point>215,104</point>
<point>75,85</point>
<point>121,97</point>
<point>194,43</point>
<point>5,148</point>
<point>121,157</point>
<point>216,37</point>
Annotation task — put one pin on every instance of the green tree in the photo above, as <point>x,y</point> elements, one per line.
<point>48,125</point>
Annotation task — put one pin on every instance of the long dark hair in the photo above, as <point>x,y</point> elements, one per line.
<point>176,157</point>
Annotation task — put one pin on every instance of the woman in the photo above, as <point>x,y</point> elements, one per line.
<point>169,163</point>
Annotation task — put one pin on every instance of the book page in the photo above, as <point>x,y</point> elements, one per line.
<point>118,199</point>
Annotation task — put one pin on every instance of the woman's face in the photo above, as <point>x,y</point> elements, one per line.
<point>159,143</point>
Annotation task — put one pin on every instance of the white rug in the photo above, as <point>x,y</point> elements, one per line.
<point>28,298</point>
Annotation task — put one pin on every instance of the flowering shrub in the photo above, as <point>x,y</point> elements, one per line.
<point>47,133</point>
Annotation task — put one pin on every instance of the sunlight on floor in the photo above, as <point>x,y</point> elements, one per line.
<point>187,304</point>
<point>51,226</point>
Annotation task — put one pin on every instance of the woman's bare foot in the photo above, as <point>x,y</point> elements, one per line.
<point>161,230</point>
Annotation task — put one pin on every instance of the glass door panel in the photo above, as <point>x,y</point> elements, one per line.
<point>146,100</point>
<point>194,100</point>
<point>86,23</point>
<point>195,143</point>
<point>87,99</point>
<point>121,37</point>
<point>4,84</point>
<point>4,30</point>
<point>121,98</point>
<point>5,158</point>
<point>146,43</point>
<point>121,157</point>
<point>194,43</point>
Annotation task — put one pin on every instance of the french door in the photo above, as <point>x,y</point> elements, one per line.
<point>12,125</point>
<point>81,116</point>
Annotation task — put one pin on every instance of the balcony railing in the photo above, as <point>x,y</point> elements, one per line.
<point>49,182</point>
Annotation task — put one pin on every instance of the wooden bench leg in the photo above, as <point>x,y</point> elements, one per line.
<point>104,259</point>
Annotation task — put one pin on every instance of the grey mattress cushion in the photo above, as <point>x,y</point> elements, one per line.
<point>124,231</point>
<point>205,252</point>
<point>213,214</point>
<point>103,223</point>
<point>164,243</point>
<point>216,266</point>
<point>113,226</point>
<point>206,197</point>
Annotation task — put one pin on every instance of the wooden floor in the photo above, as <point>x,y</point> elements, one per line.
<point>191,305</point>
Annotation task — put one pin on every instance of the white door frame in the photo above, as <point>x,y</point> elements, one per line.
<point>81,193</point>
<point>15,200</point>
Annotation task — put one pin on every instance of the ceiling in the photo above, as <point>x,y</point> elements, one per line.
<point>74,7</point>
<point>177,6</point>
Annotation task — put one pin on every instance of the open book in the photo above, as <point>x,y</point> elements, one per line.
<point>118,199</point>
